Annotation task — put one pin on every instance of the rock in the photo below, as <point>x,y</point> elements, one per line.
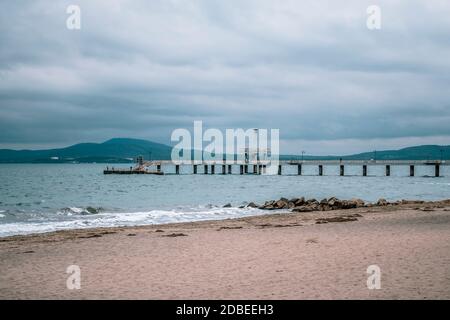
<point>291,205</point>
<point>358,202</point>
<point>325,207</point>
<point>314,206</point>
<point>92,210</point>
<point>252,205</point>
<point>335,203</point>
<point>281,204</point>
<point>300,202</point>
<point>268,204</point>
<point>324,201</point>
<point>228,205</point>
<point>294,200</point>
<point>348,204</point>
<point>382,202</point>
<point>302,209</point>
<point>411,201</point>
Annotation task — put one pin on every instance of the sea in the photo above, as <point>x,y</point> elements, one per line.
<point>37,198</point>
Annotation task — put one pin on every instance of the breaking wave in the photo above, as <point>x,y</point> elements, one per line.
<point>122,219</point>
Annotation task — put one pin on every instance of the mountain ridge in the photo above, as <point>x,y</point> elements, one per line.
<point>125,150</point>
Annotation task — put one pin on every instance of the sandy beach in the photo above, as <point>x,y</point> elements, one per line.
<point>311,255</point>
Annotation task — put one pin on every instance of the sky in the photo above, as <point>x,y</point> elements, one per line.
<point>141,69</point>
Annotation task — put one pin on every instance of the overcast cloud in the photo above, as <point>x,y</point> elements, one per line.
<point>143,68</point>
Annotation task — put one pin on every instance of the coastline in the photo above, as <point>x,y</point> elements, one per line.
<point>294,255</point>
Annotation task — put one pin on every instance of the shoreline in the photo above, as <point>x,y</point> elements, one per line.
<point>269,207</point>
<point>289,255</point>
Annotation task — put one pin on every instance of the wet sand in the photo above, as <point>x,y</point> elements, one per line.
<point>315,255</point>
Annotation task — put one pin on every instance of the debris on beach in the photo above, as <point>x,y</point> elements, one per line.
<point>336,219</point>
<point>229,228</point>
<point>173,235</point>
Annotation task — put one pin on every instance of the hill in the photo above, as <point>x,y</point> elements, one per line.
<point>123,150</point>
<point>111,151</point>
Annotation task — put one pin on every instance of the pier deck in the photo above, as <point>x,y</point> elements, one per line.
<point>262,166</point>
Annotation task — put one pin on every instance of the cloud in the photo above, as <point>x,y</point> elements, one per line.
<point>144,68</point>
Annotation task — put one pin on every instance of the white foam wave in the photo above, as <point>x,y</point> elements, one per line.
<point>126,219</point>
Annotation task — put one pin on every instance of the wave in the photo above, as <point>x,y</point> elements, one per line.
<point>123,219</point>
<point>79,211</point>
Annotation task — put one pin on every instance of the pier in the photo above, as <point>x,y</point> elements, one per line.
<point>284,167</point>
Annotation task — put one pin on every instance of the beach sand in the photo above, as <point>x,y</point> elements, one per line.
<point>278,256</point>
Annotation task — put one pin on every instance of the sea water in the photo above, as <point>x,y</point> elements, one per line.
<point>47,197</point>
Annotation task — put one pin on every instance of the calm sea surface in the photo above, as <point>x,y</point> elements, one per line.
<point>47,197</point>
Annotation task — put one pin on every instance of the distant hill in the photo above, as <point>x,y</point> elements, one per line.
<point>111,151</point>
<point>425,152</point>
<point>123,150</point>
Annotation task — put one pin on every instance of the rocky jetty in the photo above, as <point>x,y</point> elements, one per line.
<point>308,205</point>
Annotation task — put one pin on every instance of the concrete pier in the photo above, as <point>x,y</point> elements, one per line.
<point>259,167</point>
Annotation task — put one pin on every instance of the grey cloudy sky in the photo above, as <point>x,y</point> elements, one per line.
<point>143,68</point>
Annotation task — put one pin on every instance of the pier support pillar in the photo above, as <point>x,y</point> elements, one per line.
<point>341,170</point>
<point>224,169</point>
<point>246,169</point>
<point>213,169</point>
<point>177,169</point>
<point>388,170</point>
<point>320,170</point>
<point>365,170</point>
<point>411,171</point>
<point>299,169</point>
<point>241,169</point>
<point>280,170</point>
<point>230,169</point>
<point>158,167</point>
<point>436,170</point>
<point>206,169</point>
<point>195,169</point>
<point>255,169</point>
